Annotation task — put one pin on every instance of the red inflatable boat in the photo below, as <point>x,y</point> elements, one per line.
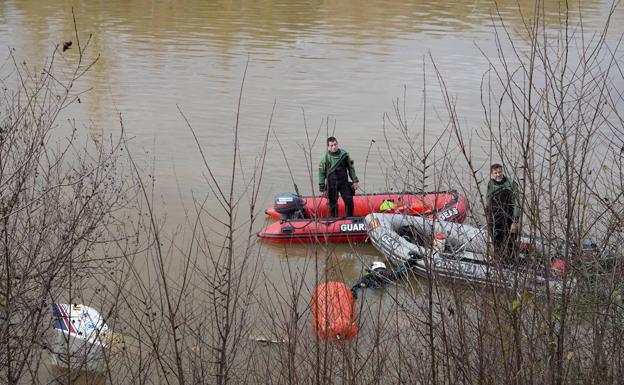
<point>305,219</point>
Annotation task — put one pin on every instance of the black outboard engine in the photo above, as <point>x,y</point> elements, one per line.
<point>289,206</point>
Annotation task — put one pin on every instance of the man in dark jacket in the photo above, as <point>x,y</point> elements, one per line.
<point>335,169</point>
<point>503,212</point>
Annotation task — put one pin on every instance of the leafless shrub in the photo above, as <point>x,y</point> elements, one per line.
<point>58,201</point>
<point>552,117</point>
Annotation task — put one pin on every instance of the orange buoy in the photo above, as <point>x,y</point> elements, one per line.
<point>333,311</point>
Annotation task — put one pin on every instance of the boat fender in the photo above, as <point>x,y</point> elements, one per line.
<point>439,242</point>
<point>333,311</point>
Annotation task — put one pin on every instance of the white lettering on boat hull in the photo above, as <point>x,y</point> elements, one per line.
<point>351,227</point>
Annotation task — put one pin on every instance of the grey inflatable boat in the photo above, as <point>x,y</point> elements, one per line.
<point>459,251</point>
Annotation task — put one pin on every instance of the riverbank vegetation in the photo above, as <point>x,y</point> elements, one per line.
<point>79,223</point>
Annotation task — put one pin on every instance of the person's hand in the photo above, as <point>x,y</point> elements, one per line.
<point>514,228</point>
<point>355,186</point>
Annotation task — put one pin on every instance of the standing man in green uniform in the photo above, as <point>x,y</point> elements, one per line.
<point>335,169</point>
<point>503,206</point>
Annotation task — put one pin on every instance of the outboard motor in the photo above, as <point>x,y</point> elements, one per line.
<point>289,206</point>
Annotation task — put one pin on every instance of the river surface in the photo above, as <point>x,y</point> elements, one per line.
<point>307,69</point>
<point>326,66</point>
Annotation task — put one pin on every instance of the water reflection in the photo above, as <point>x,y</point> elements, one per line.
<point>124,30</point>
